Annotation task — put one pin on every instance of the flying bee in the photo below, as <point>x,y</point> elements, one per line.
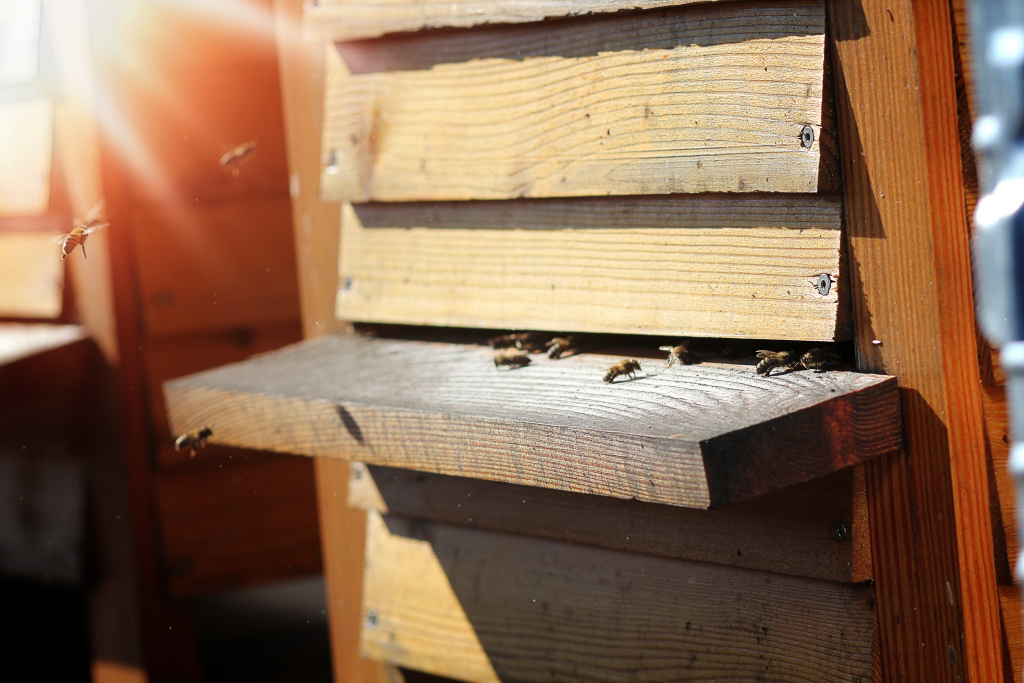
<point>821,360</point>
<point>679,354</point>
<point>81,228</point>
<point>776,359</point>
<point>233,158</point>
<point>194,440</point>
<point>563,347</point>
<point>511,359</point>
<point>626,367</point>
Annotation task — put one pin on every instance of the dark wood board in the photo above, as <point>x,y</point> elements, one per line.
<point>697,436</point>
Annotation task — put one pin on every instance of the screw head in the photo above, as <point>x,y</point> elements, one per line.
<point>839,531</point>
<point>807,137</point>
<point>371,618</point>
<point>824,284</point>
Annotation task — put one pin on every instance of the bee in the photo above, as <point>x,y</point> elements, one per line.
<point>511,359</point>
<point>233,158</point>
<point>194,440</point>
<point>821,360</point>
<point>505,341</point>
<point>776,359</point>
<point>729,351</point>
<point>563,347</point>
<point>81,228</point>
<point>626,367</point>
<point>678,354</point>
<point>531,342</point>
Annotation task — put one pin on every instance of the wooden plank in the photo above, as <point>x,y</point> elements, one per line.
<point>26,151</point>
<point>238,522</point>
<point>485,606</point>
<point>997,428</point>
<point>31,276</point>
<point>792,531</point>
<point>352,19</point>
<point>711,98</point>
<point>932,541</point>
<point>1010,606</point>
<point>219,266</point>
<point>697,436</point>
<point>715,266</point>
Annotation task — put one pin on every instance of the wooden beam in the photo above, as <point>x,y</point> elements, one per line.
<point>697,436</point>
<point>713,266</point>
<point>932,542</point>
<point>485,606</point>
<point>818,529</point>
<point>709,98</point>
<point>1010,606</point>
<point>352,19</point>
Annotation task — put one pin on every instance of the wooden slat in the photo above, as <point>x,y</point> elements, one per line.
<point>711,98</point>
<point>352,19</point>
<point>792,531</point>
<point>485,606</point>
<point>1010,606</point>
<point>31,276</point>
<point>238,522</point>
<point>717,266</point>
<point>697,436</point>
<point>997,427</point>
<point>932,542</point>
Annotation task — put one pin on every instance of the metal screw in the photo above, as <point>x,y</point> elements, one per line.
<point>824,284</point>
<point>839,531</point>
<point>807,137</point>
<point>371,618</point>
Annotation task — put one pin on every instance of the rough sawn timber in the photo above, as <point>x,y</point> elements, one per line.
<point>698,436</point>
<point>711,266</point>
<point>710,98</point>
<point>485,606</point>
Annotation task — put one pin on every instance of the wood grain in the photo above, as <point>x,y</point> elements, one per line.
<point>241,521</point>
<point>353,19</point>
<point>486,606</point>
<point>1010,606</point>
<point>31,276</point>
<point>791,531</point>
<point>703,99</point>
<point>697,436</point>
<point>715,266</point>
<point>932,540</point>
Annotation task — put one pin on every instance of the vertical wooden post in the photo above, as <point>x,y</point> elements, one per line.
<point>938,614</point>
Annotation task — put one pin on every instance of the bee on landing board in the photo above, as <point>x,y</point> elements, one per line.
<point>194,440</point>
<point>511,359</point>
<point>776,359</point>
<point>81,228</point>
<point>626,367</point>
<point>821,360</point>
<point>563,347</point>
<point>233,158</point>
<point>678,354</point>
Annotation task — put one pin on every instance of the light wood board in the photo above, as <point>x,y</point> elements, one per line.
<point>714,266</point>
<point>352,19</point>
<point>791,531</point>
<point>31,276</point>
<point>711,98</point>
<point>485,606</point>
<point>26,152</point>
<point>696,436</point>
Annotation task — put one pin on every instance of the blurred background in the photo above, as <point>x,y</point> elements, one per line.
<point>119,554</point>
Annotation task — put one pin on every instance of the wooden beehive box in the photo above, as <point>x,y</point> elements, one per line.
<point>658,170</point>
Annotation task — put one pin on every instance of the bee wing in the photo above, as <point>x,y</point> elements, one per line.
<point>59,239</point>
<point>666,349</point>
<point>228,157</point>
<point>94,213</point>
<point>765,354</point>
<point>93,228</point>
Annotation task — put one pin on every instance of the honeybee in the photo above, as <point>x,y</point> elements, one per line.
<point>233,158</point>
<point>678,354</point>
<point>821,360</point>
<point>626,367</point>
<point>560,347</point>
<point>505,341</point>
<point>81,228</point>
<point>776,359</point>
<point>194,440</point>
<point>511,359</point>
<point>531,342</point>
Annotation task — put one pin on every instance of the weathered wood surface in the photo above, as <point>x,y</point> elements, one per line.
<point>792,531</point>
<point>932,542</point>
<point>486,606</point>
<point>704,99</point>
<point>353,19</point>
<point>713,266</point>
<point>697,436</point>
<point>241,521</point>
